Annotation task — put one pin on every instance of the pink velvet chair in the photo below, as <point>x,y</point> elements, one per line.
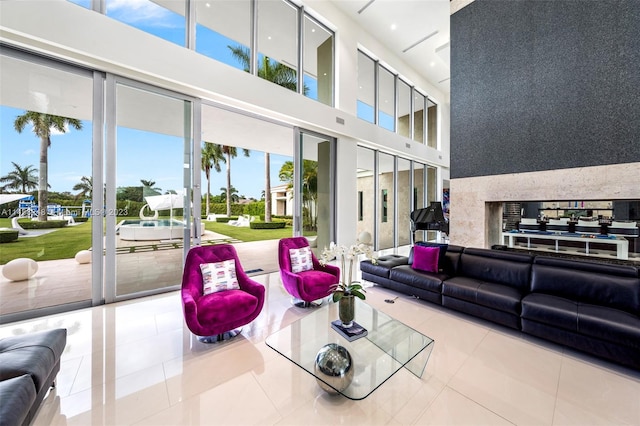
<point>305,286</point>
<point>217,316</point>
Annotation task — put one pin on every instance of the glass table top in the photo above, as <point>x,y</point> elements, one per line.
<point>389,346</point>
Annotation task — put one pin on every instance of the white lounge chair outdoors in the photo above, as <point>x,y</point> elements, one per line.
<point>243,220</point>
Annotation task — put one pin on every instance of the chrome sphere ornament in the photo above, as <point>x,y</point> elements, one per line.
<point>334,368</point>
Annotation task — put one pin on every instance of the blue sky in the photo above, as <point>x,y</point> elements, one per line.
<point>148,156</point>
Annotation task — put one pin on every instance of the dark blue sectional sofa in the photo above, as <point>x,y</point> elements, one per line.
<point>29,365</point>
<point>586,305</point>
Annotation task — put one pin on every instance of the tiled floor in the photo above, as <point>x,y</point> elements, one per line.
<point>136,363</point>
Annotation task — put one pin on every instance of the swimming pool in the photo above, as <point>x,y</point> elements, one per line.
<point>150,230</point>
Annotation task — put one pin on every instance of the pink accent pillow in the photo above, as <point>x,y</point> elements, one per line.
<point>426,258</point>
<point>219,276</point>
<point>301,259</point>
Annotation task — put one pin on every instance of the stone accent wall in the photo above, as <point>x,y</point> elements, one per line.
<point>476,202</point>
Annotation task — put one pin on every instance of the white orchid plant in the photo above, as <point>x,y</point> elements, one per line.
<point>344,254</point>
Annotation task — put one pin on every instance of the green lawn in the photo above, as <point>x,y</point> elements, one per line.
<point>64,243</point>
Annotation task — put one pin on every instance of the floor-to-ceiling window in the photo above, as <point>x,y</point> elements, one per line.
<point>366,88</point>
<point>418,190</point>
<point>270,148</point>
<point>148,191</point>
<point>223,31</point>
<point>386,201</point>
<point>432,124</point>
<point>405,122</point>
<point>432,194</point>
<point>404,201</point>
<point>386,99</point>
<point>46,151</point>
<point>278,43</point>
<point>164,19</point>
<point>366,189</point>
<point>318,61</point>
<point>418,116</point>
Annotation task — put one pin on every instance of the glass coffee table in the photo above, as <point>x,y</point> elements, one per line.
<point>389,346</point>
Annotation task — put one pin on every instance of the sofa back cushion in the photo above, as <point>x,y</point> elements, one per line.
<point>497,266</point>
<point>615,286</point>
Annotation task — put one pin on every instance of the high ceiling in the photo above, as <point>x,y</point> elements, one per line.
<point>417,31</point>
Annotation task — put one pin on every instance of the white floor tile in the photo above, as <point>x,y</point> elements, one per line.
<point>136,363</point>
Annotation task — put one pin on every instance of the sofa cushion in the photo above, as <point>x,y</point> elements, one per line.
<point>405,274</point>
<point>223,306</point>
<point>496,296</point>
<point>35,354</point>
<point>551,310</point>
<point>506,268</point>
<point>17,395</point>
<point>383,265</point>
<point>609,324</point>
<point>615,286</point>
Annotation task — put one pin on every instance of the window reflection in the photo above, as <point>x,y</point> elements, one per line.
<point>387,106</point>
<point>366,88</point>
<point>318,61</point>
<point>432,124</point>
<point>277,43</point>
<point>404,109</point>
<point>223,31</point>
<point>418,117</point>
<point>166,21</point>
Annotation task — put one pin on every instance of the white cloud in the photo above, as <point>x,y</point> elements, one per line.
<point>139,11</point>
<point>29,152</point>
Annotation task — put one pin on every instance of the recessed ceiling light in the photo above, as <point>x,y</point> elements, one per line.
<point>269,38</point>
<point>313,30</point>
<point>433,64</point>
<point>393,27</point>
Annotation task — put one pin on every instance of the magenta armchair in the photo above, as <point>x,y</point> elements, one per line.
<point>215,316</point>
<point>305,286</point>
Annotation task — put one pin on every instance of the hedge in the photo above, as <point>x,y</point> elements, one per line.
<point>8,235</point>
<point>36,224</point>
<point>224,219</point>
<point>267,225</point>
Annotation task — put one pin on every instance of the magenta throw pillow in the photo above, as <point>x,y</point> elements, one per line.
<point>425,258</point>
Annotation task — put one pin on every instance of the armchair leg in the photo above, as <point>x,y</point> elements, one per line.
<point>299,303</point>
<point>222,337</point>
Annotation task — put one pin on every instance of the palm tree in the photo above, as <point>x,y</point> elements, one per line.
<point>20,179</point>
<point>309,188</point>
<point>148,188</point>
<point>85,186</point>
<point>281,75</point>
<point>230,152</point>
<point>211,157</point>
<point>42,126</point>
<point>234,194</point>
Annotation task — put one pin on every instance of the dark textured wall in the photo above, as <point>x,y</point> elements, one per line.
<point>542,85</point>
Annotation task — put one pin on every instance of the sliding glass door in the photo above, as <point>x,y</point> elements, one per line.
<point>148,225</point>
<point>47,123</point>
